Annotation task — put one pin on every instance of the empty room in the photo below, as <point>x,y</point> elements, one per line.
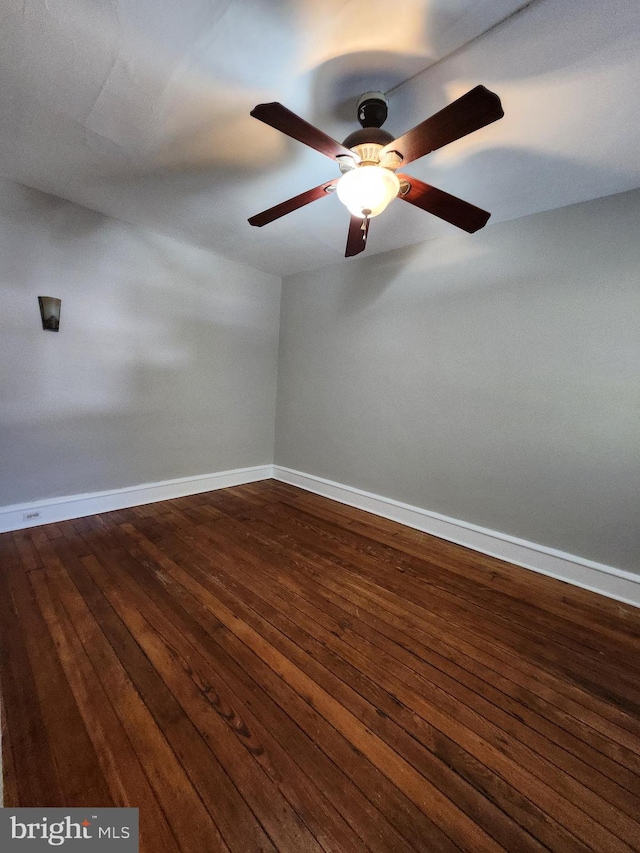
<point>320,426</point>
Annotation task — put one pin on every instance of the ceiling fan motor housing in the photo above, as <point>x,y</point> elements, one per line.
<point>368,142</point>
<point>370,139</point>
<point>372,109</point>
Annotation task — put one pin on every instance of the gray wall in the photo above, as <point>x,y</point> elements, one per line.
<point>494,378</point>
<point>165,364</point>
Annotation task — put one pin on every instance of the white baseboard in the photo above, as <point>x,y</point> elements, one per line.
<point>77,506</point>
<point>597,577</point>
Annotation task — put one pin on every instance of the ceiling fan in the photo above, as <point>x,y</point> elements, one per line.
<point>369,158</point>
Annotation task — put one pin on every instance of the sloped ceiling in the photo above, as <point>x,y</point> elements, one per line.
<point>140,109</point>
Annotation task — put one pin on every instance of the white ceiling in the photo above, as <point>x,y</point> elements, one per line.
<point>140,109</point>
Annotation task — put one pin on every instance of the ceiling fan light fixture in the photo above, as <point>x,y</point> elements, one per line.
<point>367,190</point>
<point>369,157</point>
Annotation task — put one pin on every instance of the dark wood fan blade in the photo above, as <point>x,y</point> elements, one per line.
<point>448,207</point>
<point>278,116</point>
<point>291,204</point>
<point>476,109</point>
<point>357,237</point>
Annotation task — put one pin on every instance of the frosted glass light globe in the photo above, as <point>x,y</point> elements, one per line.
<point>367,190</point>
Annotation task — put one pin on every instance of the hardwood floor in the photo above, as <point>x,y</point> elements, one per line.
<point>261,669</point>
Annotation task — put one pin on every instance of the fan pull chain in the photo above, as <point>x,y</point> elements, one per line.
<point>365,225</point>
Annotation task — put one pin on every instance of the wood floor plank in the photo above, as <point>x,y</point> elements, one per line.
<point>291,675</point>
<point>415,662</point>
<point>266,802</point>
<point>400,772</point>
<point>212,704</point>
<point>28,555</point>
<point>234,819</point>
<point>445,773</point>
<point>177,795</point>
<point>120,765</point>
<point>293,721</point>
<point>10,794</point>
<point>73,753</point>
<point>454,612</point>
<point>476,729</point>
<point>615,619</point>
<point>37,781</point>
<point>418,630</point>
<point>504,620</point>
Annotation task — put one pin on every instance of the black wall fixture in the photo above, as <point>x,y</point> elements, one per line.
<point>50,312</point>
